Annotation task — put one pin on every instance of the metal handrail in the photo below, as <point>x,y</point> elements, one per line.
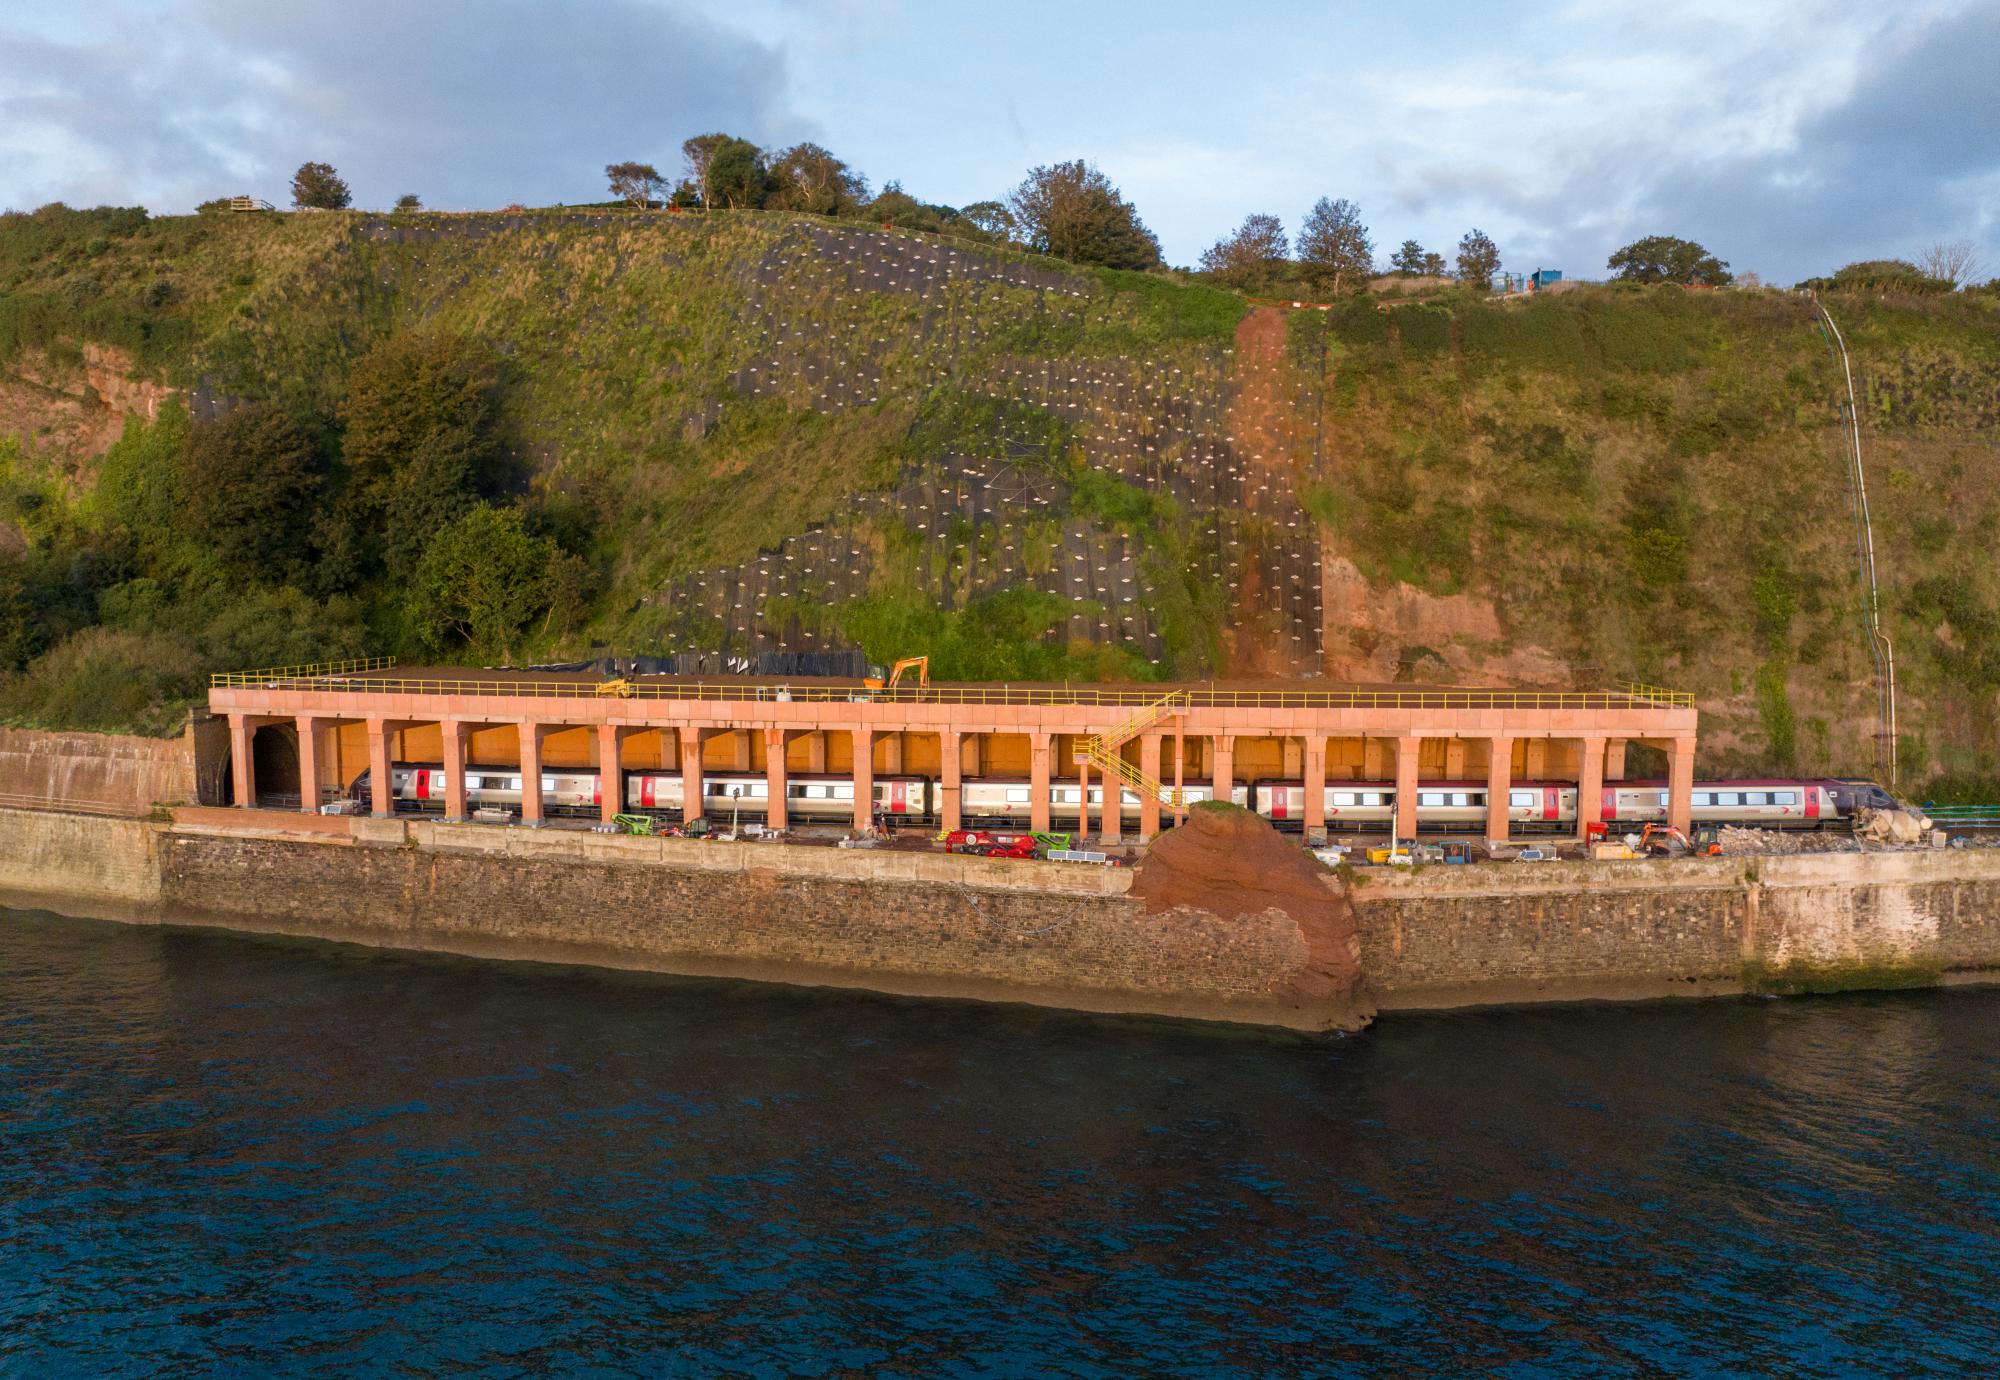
<point>307,671</point>
<point>1138,697</point>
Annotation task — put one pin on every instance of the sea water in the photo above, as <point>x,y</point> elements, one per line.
<point>225,1155</point>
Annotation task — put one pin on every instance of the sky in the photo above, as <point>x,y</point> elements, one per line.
<point>1788,136</point>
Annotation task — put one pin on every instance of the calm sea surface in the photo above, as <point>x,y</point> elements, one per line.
<point>232,1156</point>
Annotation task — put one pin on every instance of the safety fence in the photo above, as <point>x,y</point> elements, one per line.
<point>355,678</point>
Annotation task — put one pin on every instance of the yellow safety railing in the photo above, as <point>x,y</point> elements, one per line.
<point>1103,748</point>
<point>1136,697</point>
<point>310,671</point>
<point>1639,690</point>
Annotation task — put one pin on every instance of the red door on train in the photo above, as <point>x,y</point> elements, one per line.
<point>1551,805</point>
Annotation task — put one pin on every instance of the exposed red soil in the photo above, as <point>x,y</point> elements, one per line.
<point>1232,864</point>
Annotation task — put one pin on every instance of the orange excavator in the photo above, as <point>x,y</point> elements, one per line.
<point>920,664</point>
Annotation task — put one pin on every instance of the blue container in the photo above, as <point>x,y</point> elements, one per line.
<point>1544,276</point>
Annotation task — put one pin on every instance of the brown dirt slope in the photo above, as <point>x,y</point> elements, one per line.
<point>1231,863</point>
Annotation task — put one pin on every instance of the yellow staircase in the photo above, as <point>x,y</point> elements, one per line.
<point>1102,749</point>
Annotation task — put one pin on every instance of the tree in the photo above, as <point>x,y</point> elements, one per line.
<point>317,187</point>
<point>408,202</point>
<point>696,155</point>
<point>1433,265</point>
<point>1334,247</point>
<point>806,177</point>
<point>1072,210</point>
<point>1250,258</point>
<point>1956,263</point>
<point>1665,259</point>
<point>992,218</point>
<point>737,176</point>
<point>419,441</point>
<point>638,183</point>
<point>248,486</point>
<point>1478,259</point>
<point>483,578</point>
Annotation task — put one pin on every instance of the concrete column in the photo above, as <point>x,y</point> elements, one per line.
<point>308,766</point>
<point>1499,785</point>
<point>531,775</point>
<point>1406,786</point>
<point>892,753</point>
<point>1315,785</point>
<point>691,786</point>
<point>1112,822</point>
<point>864,777</point>
<point>1082,799</point>
<point>1180,769</point>
<point>816,751</point>
<point>774,778</point>
<point>1222,766</point>
<point>971,758</point>
<point>1590,786</point>
<point>610,779</point>
<point>1537,765</point>
<point>1454,759</point>
<point>453,734</point>
<point>1149,801</point>
<point>381,790</point>
<point>1038,782</point>
<point>951,758</point>
<point>1680,784</point>
<point>1614,759</point>
<point>242,767</point>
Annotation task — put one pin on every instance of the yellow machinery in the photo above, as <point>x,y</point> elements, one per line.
<point>620,689</point>
<point>920,664</point>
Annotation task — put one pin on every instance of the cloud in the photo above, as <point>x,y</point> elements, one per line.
<point>469,103</point>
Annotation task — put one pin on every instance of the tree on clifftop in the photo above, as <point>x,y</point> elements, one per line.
<point>638,183</point>
<point>807,177</point>
<point>1252,257</point>
<point>1478,259</point>
<point>1334,247</point>
<point>1664,259</point>
<point>1072,210</point>
<point>317,187</point>
<point>737,176</point>
<point>696,154</point>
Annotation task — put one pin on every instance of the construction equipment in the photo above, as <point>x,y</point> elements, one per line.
<point>1665,841</point>
<point>920,664</point>
<point>1457,853</point>
<point>982,844</point>
<point>640,826</point>
<point>1395,855</point>
<point>619,689</point>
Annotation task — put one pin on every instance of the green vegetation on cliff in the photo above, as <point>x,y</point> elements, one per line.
<point>530,435</point>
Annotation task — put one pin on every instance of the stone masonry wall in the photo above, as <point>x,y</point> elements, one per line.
<point>82,864</point>
<point>809,915</point>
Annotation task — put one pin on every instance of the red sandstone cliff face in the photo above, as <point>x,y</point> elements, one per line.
<point>76,412</point>
<point>1230,864</point>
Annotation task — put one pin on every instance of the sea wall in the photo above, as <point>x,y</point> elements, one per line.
<point>1036,932</point>
<point>79,864</point>
<point>901,922</point>
<point>1522,932</point>
<point>105,773</point>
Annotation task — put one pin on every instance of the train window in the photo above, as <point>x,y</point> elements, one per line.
<point>1729,797</point>
<point>1662,799</point>
<point>1017,795</point>
<point>1784,797</point>
<point>1704,799</point>
<point>843,792</point>
<point>1065,796</point>
<point>1432,798</point>
<point>1756,797</point>
<point>513,783</point>
<point>548,783</point>
<point>1521,799</point>
<point>1344,798</point>
<point>1128,797</point>
<point>1373,798</point>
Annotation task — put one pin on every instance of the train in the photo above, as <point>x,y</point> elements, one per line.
<point>1001,802</point>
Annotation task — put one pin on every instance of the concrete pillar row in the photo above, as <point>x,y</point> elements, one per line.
<point>951,759</point>
<point>531,774</point>
<point>242,768</point>
<point>1680,784</point>
<point>308,765</point>
<point>1499,786</point>
<point>1149,801</point>
<point>454,734</point>
<point>1406,786</point>
<point>1222,767</point>
<point>864,777</point>
<point>1038,782</point>
<point>691,783</point>
<point>1590,786</point>
<point>775,812</point>
<point>1315,788</point>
